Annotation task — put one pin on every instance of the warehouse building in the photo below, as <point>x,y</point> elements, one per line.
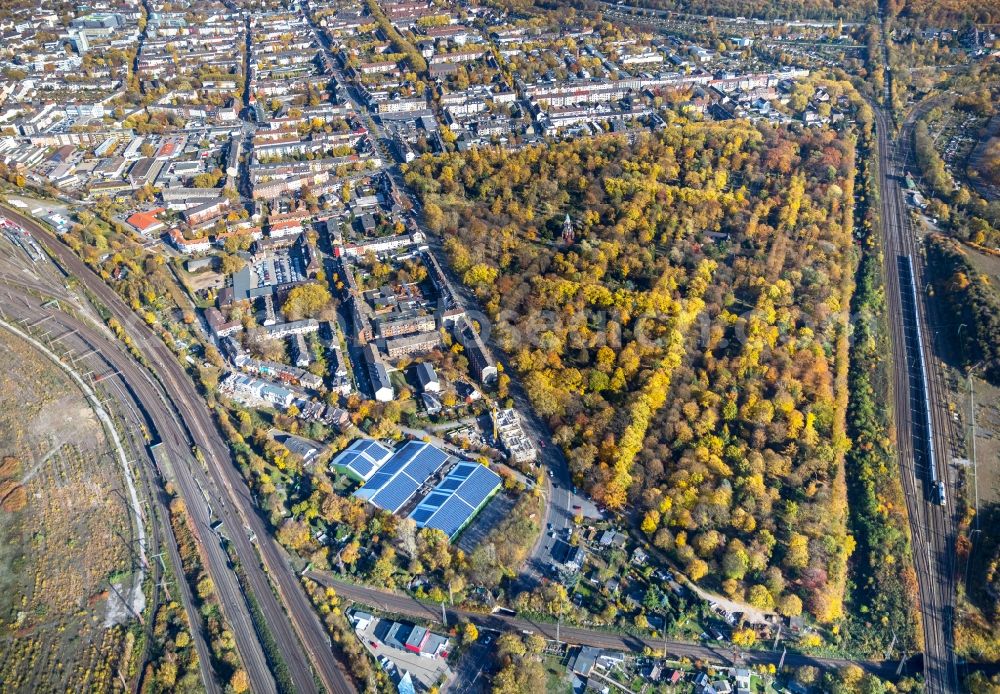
<point>399,478</point>
<point>453,503</point>
<point>361,459</point>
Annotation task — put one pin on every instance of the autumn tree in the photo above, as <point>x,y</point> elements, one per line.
<point>308,300</point>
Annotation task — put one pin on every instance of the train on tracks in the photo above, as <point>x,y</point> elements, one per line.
<point>919,393</point>
<point>19,237</point>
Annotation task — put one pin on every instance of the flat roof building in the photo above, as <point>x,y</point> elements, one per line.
<point>456,500</point>
<point>399,478</point>
<point>361,459</point>
<point>413,638</point>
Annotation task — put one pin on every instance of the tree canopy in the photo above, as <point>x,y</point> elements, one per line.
<point>688,347</point>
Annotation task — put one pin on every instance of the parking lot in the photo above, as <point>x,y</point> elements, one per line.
<point>281,268</point>
<point>488,519</point>
<point>427,671</point>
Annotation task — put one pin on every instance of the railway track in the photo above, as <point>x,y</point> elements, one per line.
<point>922,425</point>
<point>297,630</point>
<point>90,349</point>
<point>162,420</point>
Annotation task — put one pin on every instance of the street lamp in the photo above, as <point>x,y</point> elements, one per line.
<point>972,416</point>
<point>975,476</point>
<point>968,557</point>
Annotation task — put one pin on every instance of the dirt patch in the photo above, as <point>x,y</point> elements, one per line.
<point>985,263</point>
<point>203,279</point>
<point>67,420</point>
<point>73,534</point>
<point>987,399</point>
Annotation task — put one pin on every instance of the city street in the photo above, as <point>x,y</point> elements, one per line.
<point>254,232</point>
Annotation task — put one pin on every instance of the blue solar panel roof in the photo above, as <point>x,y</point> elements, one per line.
<point>372,486</point>
<point>421,459</point>
<point>395,494</point>
<point>480,484</point>
<point>400,477</point>
<point>462,470</point>
<point>363,457</point>
<point>393,465</point>
<point>372,448</point>
<point>456,499</point>
<point>450,517</point>
<point>358,463</point>
<point>434,499</point>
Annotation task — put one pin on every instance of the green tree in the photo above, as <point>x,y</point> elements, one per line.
<point>790,605</point>
<point>735,561</point>
<point>760,597</point>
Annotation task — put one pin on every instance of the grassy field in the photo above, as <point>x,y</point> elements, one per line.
<point>556,679</point>
<point>977,635</point>
<point>984,263</point>
<point>64,532</point>
<point>987,398</point>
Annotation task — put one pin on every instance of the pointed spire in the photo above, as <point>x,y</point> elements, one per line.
<point>568,235</point>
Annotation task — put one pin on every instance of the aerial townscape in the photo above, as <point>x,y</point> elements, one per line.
<point>500,346</point>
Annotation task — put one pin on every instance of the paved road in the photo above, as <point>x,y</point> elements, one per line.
<point>560,493</point>
<point>300,635</point>
<point>345,89</point>
<point>932,526</point>
<point>403,604</point>
<point>931,520</point>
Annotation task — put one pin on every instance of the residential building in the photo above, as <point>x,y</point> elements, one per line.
<point>481,361</point>
<point>408,345</point>
<point>508,429</point>
<point>218,324</point>
<point>382,389</point>
<point>427,378</point>
<point>185,245</point>
<point>280,331</point>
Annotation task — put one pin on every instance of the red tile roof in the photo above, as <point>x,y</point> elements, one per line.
<point>145,220</point>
